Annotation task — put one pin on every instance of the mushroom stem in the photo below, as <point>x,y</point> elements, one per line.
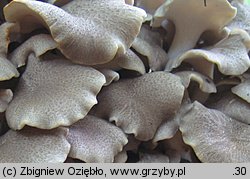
<point>183,41</point>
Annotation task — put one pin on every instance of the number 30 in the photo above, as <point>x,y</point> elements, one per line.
<point>240,170</point>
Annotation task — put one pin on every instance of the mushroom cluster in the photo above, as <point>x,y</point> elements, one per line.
<point>124,81</point>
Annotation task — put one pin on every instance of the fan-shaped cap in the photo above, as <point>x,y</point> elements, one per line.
<point>205,83</point>
<point>149,6</point>
<point>128,61</point>
<point>110,76</point>
<point>168,128</point>
<point>234,107</point>
<point>214,136</point>
<point>38,44</point>
<point>149,43</point>
<point>243,90</point>
<point>191,18</point>
<point>241,20</point>
<point>139,105</point>
<point>133,144</point>
<point>176,149</point>
<point>121,157</point>
<point>6,96</point>
<point>32,145</point>
<point>58,2</point>
<point>87,32</point>
<point>230,55</point>
<point>7,69</point>
<point>130,2</point>
<point>52,93</point>
<point>95,140</point>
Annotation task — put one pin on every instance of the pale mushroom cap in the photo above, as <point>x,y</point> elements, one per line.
<point>87,32</point>
<point>95,140</point>
<point>176,146</point>
<point>110,76</point>
<point>58,2</point>
<point>191,18</point>
<point>230,55</point>
<point>32,145</point>
<point>38,44</point>
<point>7,69</point>
<point>149,5</point>
<point>234,107</point>
<point>121,157</point>
<point>166,130</point>
<point>128,61</point>
<point>139,105</point>
<point>243,90</point>
<point>52,93</point>
<point>6,96</point>
<point>241,20</point>
<point>214,136</point>
<point>149,44</point>
<point>130,2</point>
<point>205,83</point>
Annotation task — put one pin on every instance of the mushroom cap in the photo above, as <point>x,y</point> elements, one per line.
<point>32,145</point>
<point>87,32</point>
<point>95,140</point>
<point>241,20</point>
<point>38,44</point>
<point>53,93</point>
<point>175,146</point>
<point>149,6</point>
<point>139,105</point>
<point>191,18</point>
<point>128,61</point>
<point>7,69</point>
<point>230,55</point>
<point>130,2</point>
<point>243,90</point>
<point>6,96</point>
<point>214,136</point>
<point>149,44</point>
<point>58,2</point>
<point>166,130</point>
<point>121,157</point>
<point>205,83</point>
<point>110,76</point>
<point>233,106</point>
